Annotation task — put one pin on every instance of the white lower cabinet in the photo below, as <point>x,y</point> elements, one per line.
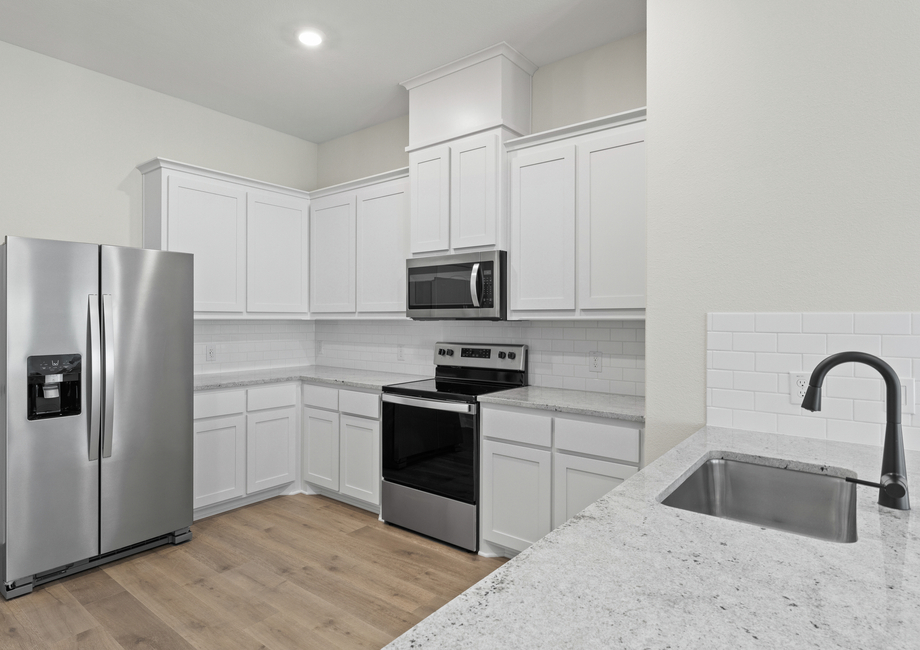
<point>270,448</point>
<point>516,484</point>
<point>220,459</point>
<point>245,443</point>
<point>341,443</point>
<point>539,470</point>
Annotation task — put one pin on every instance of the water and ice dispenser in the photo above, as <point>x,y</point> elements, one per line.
<point>54,385</point>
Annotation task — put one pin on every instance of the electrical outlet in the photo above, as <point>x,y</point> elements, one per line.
<point>908,397</point>
<point>594,361</point>
<point>400,355</point>
<point>798,384</point>
<point>210,353</point>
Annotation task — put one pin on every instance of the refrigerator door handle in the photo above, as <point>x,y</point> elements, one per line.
<point>95,371</point>
<point>108,337</point>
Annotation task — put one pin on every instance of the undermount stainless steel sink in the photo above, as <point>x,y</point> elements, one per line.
<point>814,505</point>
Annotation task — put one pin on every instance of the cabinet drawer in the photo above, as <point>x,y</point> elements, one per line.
<point>213,404</point>
<point>271,397</point>
<point>607,440</point>
<point>321,397</point>
<point>365,404</point>
<point>517,427</point>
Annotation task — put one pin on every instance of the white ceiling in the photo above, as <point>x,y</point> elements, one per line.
<point>242,58</point>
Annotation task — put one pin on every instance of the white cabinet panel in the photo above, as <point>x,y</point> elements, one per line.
<point>332,253</point>
<point>321,448</point>
<point>542,259</point>
<point>360,449</point>
<point>578,482</point>
<point>277,236</point>
<point>321,397</point>
<point>271,448</point>
<point>220,460</point>
<point>611,220</point>
<point>270,397</point>
<point>382,247</point>
<point>474,191</point>
<point>208,219</point>
<point>620,441</point>
<point>516,494</point>
<point>513,426</point>
<point>358,403</point>
<point>429,177</point>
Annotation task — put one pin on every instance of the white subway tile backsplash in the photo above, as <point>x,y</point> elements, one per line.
<point>756,396</point>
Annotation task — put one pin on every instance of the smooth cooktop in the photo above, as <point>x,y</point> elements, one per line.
<point>446,389</point>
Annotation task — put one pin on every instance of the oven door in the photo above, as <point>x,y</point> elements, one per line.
<point>464,286</point>
<point>432,446</point>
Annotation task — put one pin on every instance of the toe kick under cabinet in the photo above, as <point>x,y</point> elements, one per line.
<point>539,470</point>
<point>341,444</point>
<point>245,445</point>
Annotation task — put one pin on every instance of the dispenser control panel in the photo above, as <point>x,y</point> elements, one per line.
<point>54,385</point>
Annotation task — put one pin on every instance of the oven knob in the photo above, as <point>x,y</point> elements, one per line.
<point>501,355</point>
<point>441,351</point>
<point>450,352</point>
<point>511,355</point>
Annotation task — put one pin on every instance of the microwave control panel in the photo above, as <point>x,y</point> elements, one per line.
<point>487,284</point>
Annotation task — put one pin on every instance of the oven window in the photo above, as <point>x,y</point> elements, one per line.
<point>441,287</point>
<point>429,450</point>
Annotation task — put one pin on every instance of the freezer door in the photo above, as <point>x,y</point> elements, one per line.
<point>51,488</point>
<point>146,466</point>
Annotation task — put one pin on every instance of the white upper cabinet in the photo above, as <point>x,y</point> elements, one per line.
<point>359,244</point>
<point>277,239</point>
<point>382,247</point>
<point>429,175</point>
<point>208,219</point>
<point>611,220</point>
<point>249,238</point>
<point>332,253</point>
<point>543,229</point>
<point>578,221</point>
<point>474,191</point>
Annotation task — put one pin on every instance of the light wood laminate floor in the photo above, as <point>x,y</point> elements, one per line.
<point>291,572</point>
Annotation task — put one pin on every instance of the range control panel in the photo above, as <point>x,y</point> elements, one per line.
<point>481,355</point>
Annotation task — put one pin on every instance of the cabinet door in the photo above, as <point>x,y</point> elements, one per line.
<point>515,494</point>
<point>332,253</point>
<point>429,177</point>
<point>578,482</point>
<point>360,448</point>
<point>611,221</point>
<point>277,236</point>
<point>383,246</point>
<point>542,255</point>
<point>220,459</point>
<point>209,221</point>
<point>270,447</point>
<point>474,191</point>
<point>321,448</point>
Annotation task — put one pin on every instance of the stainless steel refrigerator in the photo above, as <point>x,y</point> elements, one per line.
<point>95,405</point>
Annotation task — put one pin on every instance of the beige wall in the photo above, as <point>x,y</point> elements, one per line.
<point>783,167</point>
<point>602,81</point>
<point>70,140</point>
<point>363,153</point>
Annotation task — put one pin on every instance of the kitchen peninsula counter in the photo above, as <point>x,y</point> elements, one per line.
<point>629,572</point>
<point>338,377</point>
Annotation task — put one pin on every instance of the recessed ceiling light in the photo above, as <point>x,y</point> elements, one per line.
<point>310,38</point>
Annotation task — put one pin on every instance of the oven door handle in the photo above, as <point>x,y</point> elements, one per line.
<point>437,405</point>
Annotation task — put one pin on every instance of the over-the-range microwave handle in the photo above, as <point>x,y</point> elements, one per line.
<point>473,276</point>
<point>95,374</point>
<point>437,405</point>
<point>108,337</point>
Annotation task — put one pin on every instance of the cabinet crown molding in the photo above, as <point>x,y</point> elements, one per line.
<point>579,128</point>
<point>173,165</point>
<point>500,49</point>
<point>358,183</point>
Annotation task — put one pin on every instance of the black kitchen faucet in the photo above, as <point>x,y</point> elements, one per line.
<point>892,488</point>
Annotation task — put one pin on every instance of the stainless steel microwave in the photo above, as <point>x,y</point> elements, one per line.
<point>467,286</point>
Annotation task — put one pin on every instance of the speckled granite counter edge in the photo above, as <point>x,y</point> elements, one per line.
<point>340,377</point>
<point>559,404</point>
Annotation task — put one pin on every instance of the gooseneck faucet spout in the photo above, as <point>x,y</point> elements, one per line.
<point>893,484</point>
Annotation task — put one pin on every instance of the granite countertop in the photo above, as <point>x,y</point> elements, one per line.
<point>340,377</point>
<point>629,572</point>
<point>605,405</point>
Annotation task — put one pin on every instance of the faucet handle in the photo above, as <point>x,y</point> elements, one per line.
<point>894,485</point>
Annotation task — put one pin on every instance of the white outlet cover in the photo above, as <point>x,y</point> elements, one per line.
<point>595,362</point>
<point>798,384</point>
<point>908,396</point>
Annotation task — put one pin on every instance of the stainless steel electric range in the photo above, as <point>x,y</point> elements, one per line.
<point>431,440</point>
